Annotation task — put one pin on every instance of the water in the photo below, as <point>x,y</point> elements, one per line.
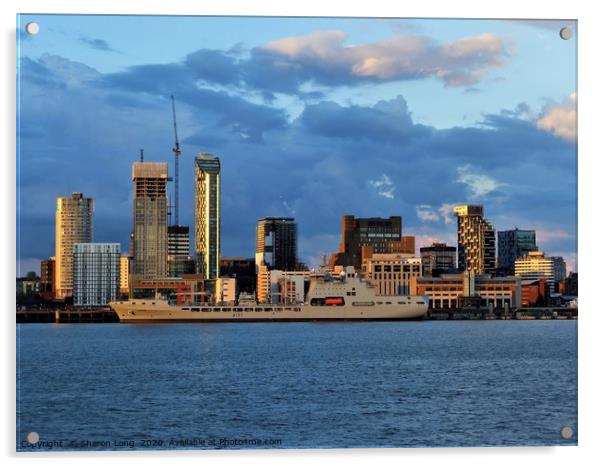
<point>297,385</point>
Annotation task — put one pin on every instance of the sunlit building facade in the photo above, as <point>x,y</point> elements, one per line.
<point>150,219</point>
<point>73,224</point>
<point>476,240</point>
<point>207,205</point>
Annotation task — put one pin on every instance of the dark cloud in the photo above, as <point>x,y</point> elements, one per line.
<point>81,130</point>
<point>97,44</point>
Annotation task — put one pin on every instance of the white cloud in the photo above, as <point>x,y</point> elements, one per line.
<point>447,212</point>
<point>426,213</point>
<point>480,185</point>
<point>561,119</point>
<point>458,63</point>
<point>384,186</point>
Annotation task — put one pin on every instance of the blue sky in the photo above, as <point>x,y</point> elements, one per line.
<point>311,117</point>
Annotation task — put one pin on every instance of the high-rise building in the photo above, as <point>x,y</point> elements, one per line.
<point>150,219</point>
<point>476,240</point>
<point>438,258</point>
<point>536,265</point>
<point>178,240</point>
<point>96,272</point>
<point>276,245</point>
<point>511,245</point>
<point>73,224</point>
<point>380,233</point>
<point>207,204</point>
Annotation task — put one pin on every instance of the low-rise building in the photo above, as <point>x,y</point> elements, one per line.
<point>453,291</point>
<point>391,273</point>
<point>186,289</point>
<point>536,265</point>
<point>225,288</point>
<point>279,286</point>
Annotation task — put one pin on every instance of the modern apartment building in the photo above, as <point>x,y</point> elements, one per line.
<point>476,240</point>
<point>150,219</point>
<point>276,243</point>
<point>96,273</point>
<point>511,245</point>
<point>73,224</point>
<point>438,258</point>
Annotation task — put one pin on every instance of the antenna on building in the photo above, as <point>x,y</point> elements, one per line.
<point>141,155</point>
<point>176,152</point>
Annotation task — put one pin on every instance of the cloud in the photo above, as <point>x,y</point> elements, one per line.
<point>324,57</point>
<point>479,185</point>
<point>561,119</point>
<point>426,213</point>
<point>383,186</point>
<point>97,44</point>
<point>330,160</point>
<point>547,236</point>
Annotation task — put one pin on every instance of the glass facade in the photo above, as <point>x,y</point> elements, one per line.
<point>207,214</point>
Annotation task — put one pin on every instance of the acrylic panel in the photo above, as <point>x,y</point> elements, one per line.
<point>287,232</point>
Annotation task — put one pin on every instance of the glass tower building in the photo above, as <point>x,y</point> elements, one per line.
<point>511,245</point>
<point>207,205</point>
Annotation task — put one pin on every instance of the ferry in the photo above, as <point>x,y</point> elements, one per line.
<point>345,296</point>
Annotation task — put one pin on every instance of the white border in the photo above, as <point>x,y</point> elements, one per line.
<point>590,80</point>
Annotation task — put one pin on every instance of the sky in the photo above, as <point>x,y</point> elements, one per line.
<point>311,117</point>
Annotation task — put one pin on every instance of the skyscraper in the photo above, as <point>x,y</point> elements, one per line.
<point>96,273</point>
<point>476,240</point>
<point>150,219</point>
<point>276,245</point>
<point>207,214</point>
<point>73,224</point>
<point>513,244</point>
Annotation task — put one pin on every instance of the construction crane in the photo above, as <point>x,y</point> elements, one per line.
<point>176,152</point>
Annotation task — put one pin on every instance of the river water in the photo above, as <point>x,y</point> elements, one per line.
<point>296,385</point>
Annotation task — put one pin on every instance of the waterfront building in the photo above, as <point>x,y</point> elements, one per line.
<point>534,292</point>
<point>438,258</point>
<point>276,243</point>
<point>407,245</point>
<point>476,240</point>
<point>47,280</point>
<point>150,219</point>
<point>391,273</point>
<point>180,265</point>
<point>73,224</point>
<point>187,289</point>
<point>536,265</point>
<point>207,205</point>
<point>570,285</point>
<point>178,240</point>
<point>278,286</point>
<point>453,291</point>
<point>225,288</point>
<point>243,269</point>
<point>511,245</point>
<point>96,273</point>
<point>382,234</point>
<point>124,274</point>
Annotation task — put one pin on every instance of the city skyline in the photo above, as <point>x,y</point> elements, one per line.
<point>281,155</point>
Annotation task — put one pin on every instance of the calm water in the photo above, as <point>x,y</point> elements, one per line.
<point>297,385</point>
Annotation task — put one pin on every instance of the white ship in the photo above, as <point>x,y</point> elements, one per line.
<point>330,297</point>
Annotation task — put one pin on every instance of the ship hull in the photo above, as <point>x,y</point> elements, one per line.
<point>131,312</point>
